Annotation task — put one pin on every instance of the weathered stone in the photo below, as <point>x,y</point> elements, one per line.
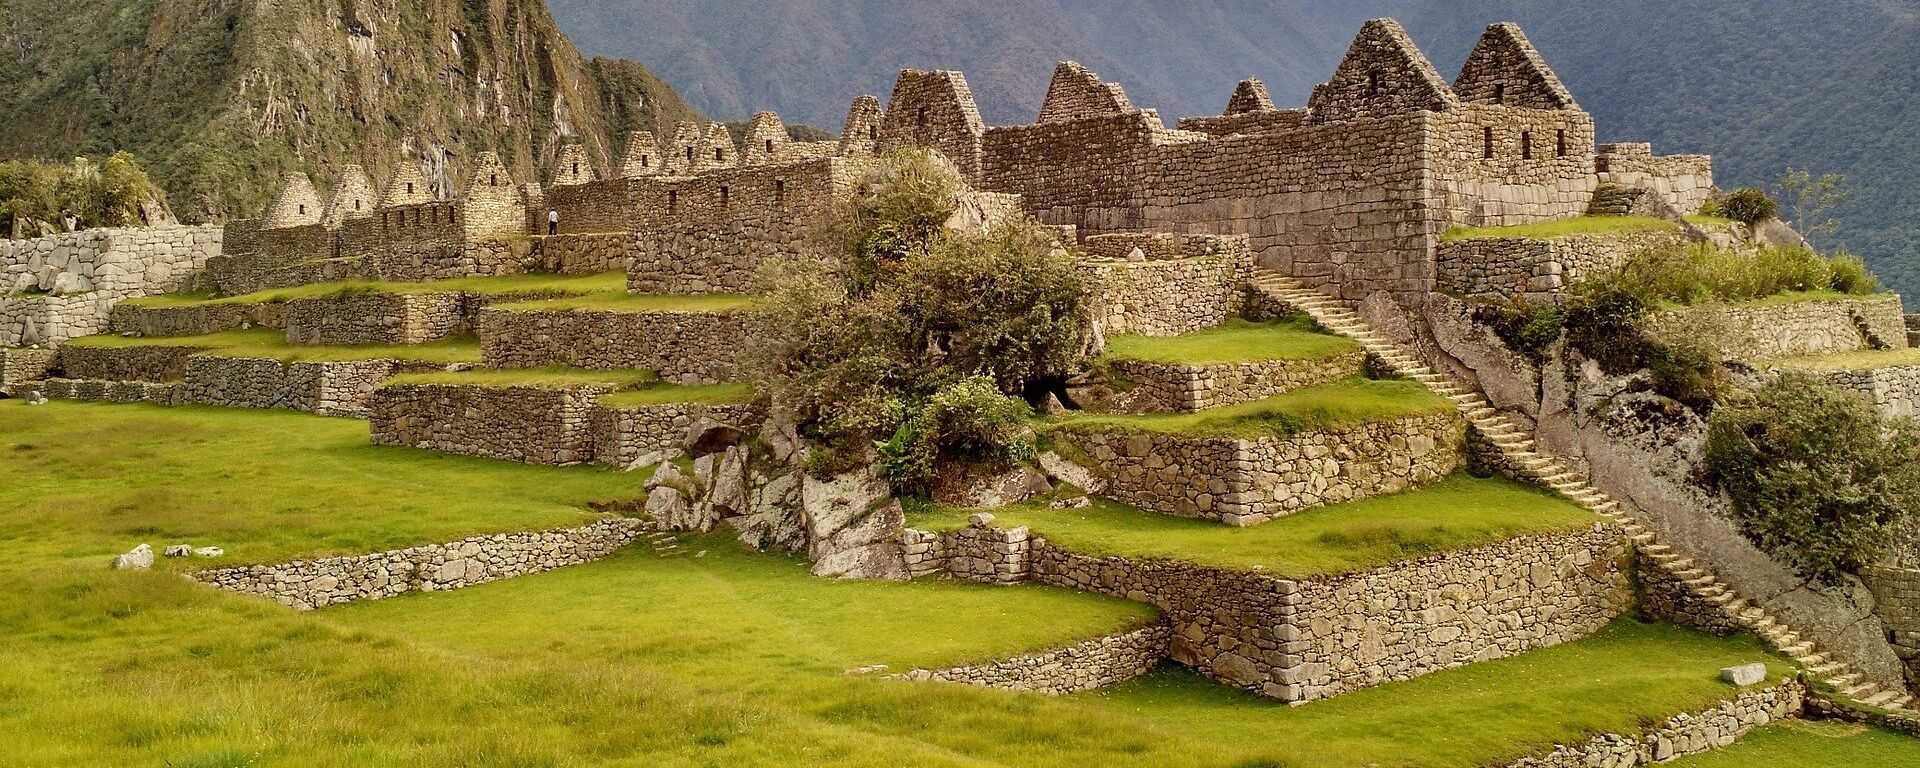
<point>138,558</point>
<point>1745,674</point>
<point>711,436</point>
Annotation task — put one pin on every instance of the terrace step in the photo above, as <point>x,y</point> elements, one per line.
<point>1520,451</point>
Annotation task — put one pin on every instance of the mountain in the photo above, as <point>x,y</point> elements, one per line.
<point>221,97</point>
<point>1762,86</point>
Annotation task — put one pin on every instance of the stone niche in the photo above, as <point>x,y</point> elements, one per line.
<point>1248,481</point>
<point>1308,639</point>
<point>686,348</point>
<point>534,425</point>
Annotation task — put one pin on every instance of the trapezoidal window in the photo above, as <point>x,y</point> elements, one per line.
<point>645,161</point>
<point>1500,93</point>
<point>1560,143</point>
<point>1373,83</point>
<point>303,210</point>
<point>779,190</point>
<point>769,146</point>
<point>576,170</point>
<point>923,117</point>
<point>873,133</point>
<point>493,180</point>
<point>673,201</point>
<point>690,154</point>
<point>719,155</point>
<point>409,187</point>
<point>726,198</point>
<point>356,204</point>
<point>1486,140</point>
<point>1526,145</point>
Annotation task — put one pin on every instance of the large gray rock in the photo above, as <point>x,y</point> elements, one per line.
<point>728,489</point>
<point>1065,470</point>
<point>709,435</point>
<point>672,510</point>
<point>991,490</point>
<point>772,518</point>
<point>1745,674</point>
<point>853,526</point>
<point>139,558</point>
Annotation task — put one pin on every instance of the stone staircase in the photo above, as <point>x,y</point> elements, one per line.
<point>1522,454</point>
<point>665,544</point>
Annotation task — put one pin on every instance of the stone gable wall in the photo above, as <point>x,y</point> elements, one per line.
<point>533,425</point>
<point>1791,329</point>
<point>1248,481</point>
<point>1538,269</point>
<point>310,584</point>
<point>683,347</point>
<point>636,436</point>
<point>1085,666</point>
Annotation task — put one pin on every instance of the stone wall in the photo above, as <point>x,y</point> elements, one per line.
<point>1685,181</point>
<point>96,390</point>
<point>535,425</point>
<point>1151,285</point>
<point>1538,269</point>
<point>349,318</point>
<point>641,435</point>
<point>1080,667</point>
<point>1758,332</point>
<point>1684,734</point>
<point>1894,390</point>
<point>193,319</point>
<point>978,552</point>
<point>1303,640</point>
<point>1248,481</point>
<point>310,584</point>
<point>1896,600</point>
<point>130,363</point>
<point>63,286</point>
<point>683,347</point>
<point>710,233</point>
<point>19,366</point>
<point>1664,597</point>
<point>579,254</point>
<point>1138,386</point>
<point>327,388</point>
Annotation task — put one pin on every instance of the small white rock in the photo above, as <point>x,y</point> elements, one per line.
<point>209,552</point>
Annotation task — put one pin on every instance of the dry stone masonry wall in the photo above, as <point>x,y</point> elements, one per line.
<point>1759,332</point>
<point>1894,390</point>
<point>1684,734</point>
<point>374,318</point>
<point>1080,667</point>
<point>63,286</point>
<point>1537,269</point>
<point>19,366</point>
<point>683,347</point>
<point>1248,481</point>
<point>1138,386</point>
<point>327,388</point>
<point>311,584</point>
<point>536,425</point>
<point>643,435</point>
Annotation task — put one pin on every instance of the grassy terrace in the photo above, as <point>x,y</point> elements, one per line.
<point>1797,744</point>
<point>633,302</point>
<point>604,282</point>
<point>730,658</point>
<point>270,343</point>
<point>1862,360</point>
<point>1584,225</point>
<point>554,377</point>
<point>715,394</point>
<point>1457,513</point>
<point>1328,405</point>
<point>1235,342</point>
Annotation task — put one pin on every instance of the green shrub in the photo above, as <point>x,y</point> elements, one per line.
<point>1817,477</point>
<point>1747,205</point>
<point>1008,304</point>
<point>969,422</point>
<point>1851,276</point>
<point>107,194</point>
<point>1526,327</point>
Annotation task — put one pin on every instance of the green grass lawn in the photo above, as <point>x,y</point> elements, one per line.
<point>718,657</point>
<point>637,302</point>
<point>603,282</point>
<point>1343,403</point>
<point>1862,360</point>
<point>1710,222</point>
<point>1457,513</point>
<point>660,394</point>
<point>1235,342</point>
<point>553,376</point>
<point>270,343</point>
<point>1584,225</point>
<point>1798,744</point>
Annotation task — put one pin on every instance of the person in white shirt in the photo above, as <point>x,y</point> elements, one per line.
<point>553,222</point>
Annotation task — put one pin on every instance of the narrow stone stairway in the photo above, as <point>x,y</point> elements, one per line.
<point>665,544</point>
<point>1521,452</point>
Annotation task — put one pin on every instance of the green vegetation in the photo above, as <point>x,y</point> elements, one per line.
<point>1344,403</point>
<point>1293,338</point>
<point>577,285</point>
<point>858,353</point>
<point>108,194</point>
<point>270,343</point>
<point>970,422</point>
<point>1747,205</point>
<point>630,302</point>
<point>715,394</point>
<point>1457,513</point>
<point>1584,225</point>
<point>548,377</point>
<point>1804,744</point>
<point>1818,477</point>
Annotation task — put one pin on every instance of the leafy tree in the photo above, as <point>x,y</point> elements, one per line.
<point>1818,478</point>
<point>1811,201</point>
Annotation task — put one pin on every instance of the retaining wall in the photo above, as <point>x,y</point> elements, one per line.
<point>1790,329</point>
<point>1894,390</point>
<point>87,272</point>
<point>329,388</point>
<point>1138,386</point>
<point>535,425</point>
<point>1191,285</point>
<point>683,347</point>
<point>130,363</point>
<point>310,584</point>
<point>633,436</point>
<point>1248,481</point>
<point>1538,269</point>
<point>374,318</point>
<point>1684,734</point>
<point>19,366</point>
<point>1080,667</point>
<point>195,319</point>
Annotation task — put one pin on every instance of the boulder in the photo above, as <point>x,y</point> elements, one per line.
<point>772,517</point>
<point>139,558</point>
<point>1065,470</point>
<point>783,441</point>
<point>68,283</point>
<point>178,550</point>
<point>671,510</point>
<point>709,435</point>
<point>209,552</point>
<point>728,489</point>
<point>971,489</point>
<point>670,475</point>
<point>980,519</point>
<point>1745,674</point>
<point>853,526</point>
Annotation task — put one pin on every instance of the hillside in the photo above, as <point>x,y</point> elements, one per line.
<point>1761,87</point>
<point>221,97</point>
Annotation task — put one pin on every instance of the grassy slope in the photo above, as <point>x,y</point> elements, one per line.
<point>270,343</point>
<point>1584,225</point>
<point>607,664</point>
<point>635,302</point>
<point>604,282</point>
<point>1456,513</point>
<point>1798,744</point>
<point>1235,341</point>
<point>1328,405</point>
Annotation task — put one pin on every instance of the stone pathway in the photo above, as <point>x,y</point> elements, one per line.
<point>1521,452</point>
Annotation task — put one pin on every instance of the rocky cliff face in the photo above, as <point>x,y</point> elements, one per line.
<point>221,97</point>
